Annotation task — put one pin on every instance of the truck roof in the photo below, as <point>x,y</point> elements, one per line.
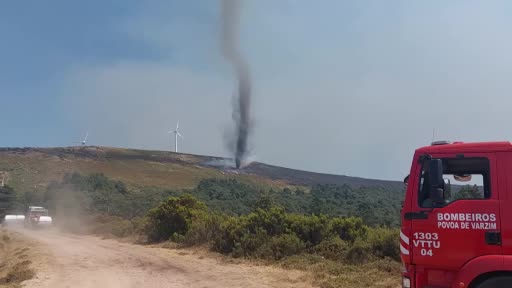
<point>466,147</point>
<point>36,208</point>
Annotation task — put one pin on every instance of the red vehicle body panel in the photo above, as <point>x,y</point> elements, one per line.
<point>448,248</point>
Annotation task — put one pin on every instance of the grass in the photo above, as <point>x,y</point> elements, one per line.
<point>32,169</point>
<point>18,273</point>
<point>330,274</point>
<point>14,268</point>
<point>320,272</point>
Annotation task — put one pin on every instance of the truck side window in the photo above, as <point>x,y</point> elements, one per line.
<point>465,178</point>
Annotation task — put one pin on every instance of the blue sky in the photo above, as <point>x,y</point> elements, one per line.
<point>345,87</point>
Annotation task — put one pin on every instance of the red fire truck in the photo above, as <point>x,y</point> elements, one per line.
<point>456,217</point>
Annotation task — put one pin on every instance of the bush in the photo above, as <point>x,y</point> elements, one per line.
<point>231,231</point>
<point>122,228</point>
<point>138,225</point>
<point>349,229</point>
<point>7,200</point>
<point>272,221</point>
<point>310,229</point>
<point>384,243</point>
<point>237,239</point>
<point>250,243</point>
<point>173,216</point>
<point>359,253</point>
<point>281,246</point>
<point>333,248</point>
<point>267,233</point>
<point>204,229</point>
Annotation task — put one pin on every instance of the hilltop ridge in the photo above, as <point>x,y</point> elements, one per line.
<point>32,167</point>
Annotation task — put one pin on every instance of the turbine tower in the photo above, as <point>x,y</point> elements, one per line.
<point>176,134</point>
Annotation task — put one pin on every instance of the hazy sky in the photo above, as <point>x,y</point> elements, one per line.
<point>344,87</point>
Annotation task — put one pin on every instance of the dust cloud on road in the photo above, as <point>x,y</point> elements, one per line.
<point>66,260</point>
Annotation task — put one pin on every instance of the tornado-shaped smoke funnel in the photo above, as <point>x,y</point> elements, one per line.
<point>230,20</point>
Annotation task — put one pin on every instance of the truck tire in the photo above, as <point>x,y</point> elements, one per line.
<point>497,282</point>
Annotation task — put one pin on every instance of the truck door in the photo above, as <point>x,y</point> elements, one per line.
<point>455,213</point>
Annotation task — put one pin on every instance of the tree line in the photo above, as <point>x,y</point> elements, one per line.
<point>96,193</point>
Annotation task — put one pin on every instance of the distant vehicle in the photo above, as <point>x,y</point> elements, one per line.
<point>37,216</point>
<point>13,220</point>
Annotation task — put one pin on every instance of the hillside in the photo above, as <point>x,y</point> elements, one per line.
<point>337,230</point>
<point>298,177</point>
<point>29,168</point>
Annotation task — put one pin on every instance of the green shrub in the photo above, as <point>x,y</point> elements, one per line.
<point>310,229</point>
<point>177,238</point>
<point>237,240</point>
<point>269,233</point>
<point>204,229</point>
<point>250,243</point>
<point>333,248</point>
<point>175,215</point>
<point>138,224</point>
<point>272,220</point>
<point>384,243</point>
<point>232,229</point>
<point>349,229</point>
<point>359,253</point>
<point>279,247</point>
<point>122,228</point>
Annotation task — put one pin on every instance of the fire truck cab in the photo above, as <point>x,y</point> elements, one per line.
<point>456,220</point>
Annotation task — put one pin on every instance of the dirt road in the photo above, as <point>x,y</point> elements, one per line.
<point>64,260</point>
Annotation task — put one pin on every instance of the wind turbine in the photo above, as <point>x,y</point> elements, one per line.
<point>85,139</point>
<point>176,134</point>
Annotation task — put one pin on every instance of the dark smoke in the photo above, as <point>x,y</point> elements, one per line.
<point>230,19</point>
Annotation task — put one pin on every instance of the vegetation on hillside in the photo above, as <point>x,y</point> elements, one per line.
<point>375,205</point>
<point>30,169</point>
<point>7,200</point>
<point>269,232</point>
<point>324,228</point>
<point>33,169</point>
<point>98,194</point>
<point>272,234</point>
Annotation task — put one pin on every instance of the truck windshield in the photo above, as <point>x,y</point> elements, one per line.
<point>465,178</point>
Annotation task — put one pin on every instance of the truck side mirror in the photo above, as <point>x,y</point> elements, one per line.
<point>436,180</point>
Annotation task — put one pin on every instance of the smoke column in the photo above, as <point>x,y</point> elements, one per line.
<point>230,19</point>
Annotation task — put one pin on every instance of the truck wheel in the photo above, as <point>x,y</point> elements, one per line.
<point>497,282</point>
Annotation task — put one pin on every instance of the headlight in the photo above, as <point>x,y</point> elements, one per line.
<point>406,282</point>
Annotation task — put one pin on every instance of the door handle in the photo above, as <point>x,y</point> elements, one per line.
<point>493,237</point>
<point>416,215</point>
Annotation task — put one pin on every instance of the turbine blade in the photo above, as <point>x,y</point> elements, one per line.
<point>177,125</point>
<point>179,134</point>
